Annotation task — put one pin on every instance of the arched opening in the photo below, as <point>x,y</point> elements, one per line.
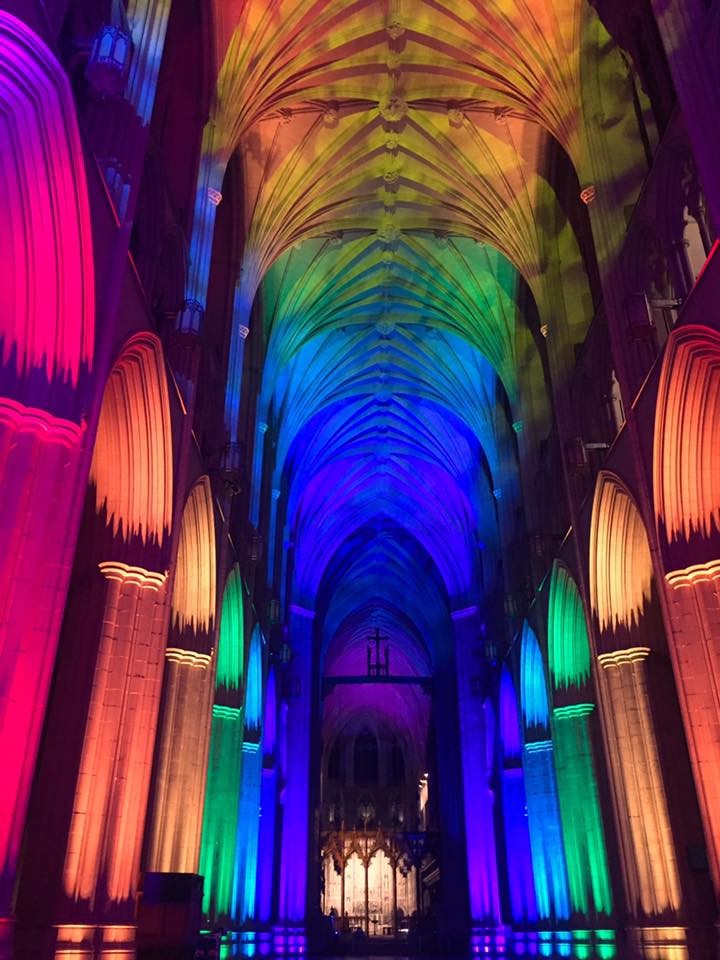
<point>373,793</point>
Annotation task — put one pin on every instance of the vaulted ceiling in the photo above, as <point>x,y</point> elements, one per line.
<point>409,243</point>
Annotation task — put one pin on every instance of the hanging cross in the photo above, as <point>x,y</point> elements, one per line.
<point>377,668</point>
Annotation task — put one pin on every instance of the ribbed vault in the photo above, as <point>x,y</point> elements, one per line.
<point>412,272</point>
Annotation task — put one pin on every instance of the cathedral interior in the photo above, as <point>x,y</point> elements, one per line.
<point>359,478</point>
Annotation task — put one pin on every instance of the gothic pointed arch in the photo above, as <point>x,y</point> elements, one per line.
<point>533,682</point>
<point>231,640</point>
<point>621,574</point>
<point>46,256</point>
<point>686,456</point>
<point>131,475</point>
<point>194,596</point>
<point>568,643</point>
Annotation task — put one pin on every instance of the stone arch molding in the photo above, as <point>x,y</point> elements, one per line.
<point>46,256</point>
<point>686,456</point>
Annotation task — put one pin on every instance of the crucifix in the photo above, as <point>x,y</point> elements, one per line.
<point>376,668</point>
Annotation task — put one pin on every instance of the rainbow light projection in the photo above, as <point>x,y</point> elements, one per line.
<point>246,855</point>
<point>514,807</point>
<point>394,240</point>
<point>404,249</point>
<point>222,791</point>
<point>546,839</point>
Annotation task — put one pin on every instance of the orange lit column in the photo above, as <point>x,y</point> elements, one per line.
<point>40,467</point>
<point>102,861</point>
<point>694,607</point>
<point>174,839</point>
<point>648,854</point>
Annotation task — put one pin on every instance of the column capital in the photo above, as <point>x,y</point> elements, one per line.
<point>539,746</point>
<point>42,423</point>
<point>698,573</point>
<point>188,658</point>
<point>619,657</point>
<point>574,710</point>
<point>123,572</point>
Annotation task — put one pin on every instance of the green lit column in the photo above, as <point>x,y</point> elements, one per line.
<point>580,814</point>
<point>217,852</point>
<point>222,790</point>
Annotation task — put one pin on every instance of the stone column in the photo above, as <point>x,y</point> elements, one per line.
<point>176,822</point>
<point>650,869</point>
<point>104,840</point>
<point>394,899</point>
<point>41,465</point>
<point>266,853</point>
<point>296,803</point>
<point>580,811</point>
<point>477,794</point>
<point>694,607</point>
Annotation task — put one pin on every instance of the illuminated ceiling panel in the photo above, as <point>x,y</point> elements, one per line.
<point>405,249</point>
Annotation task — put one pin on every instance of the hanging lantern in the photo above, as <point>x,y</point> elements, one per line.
<point>109,64</point>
